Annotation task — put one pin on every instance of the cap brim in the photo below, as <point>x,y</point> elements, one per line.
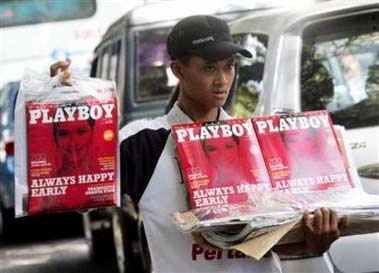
<point>221,50</point>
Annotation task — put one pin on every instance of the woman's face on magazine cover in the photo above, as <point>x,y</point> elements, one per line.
<point>74,140</point>
<point>223,153</point>
<point>301,142</point>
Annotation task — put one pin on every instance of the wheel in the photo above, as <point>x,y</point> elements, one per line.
<point>6,222</point>
<point>99,237</point>
<point>127,245</point>
<point>1,223</point>
<point>144,248</point>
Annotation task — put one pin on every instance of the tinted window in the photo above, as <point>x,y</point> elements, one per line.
<point>24,12</point>
<point>154,78</point>
<point>250,74</point>
<point>105,64</point>
<point>340,72</point>
<point>8,97</point>
<point>115,62</point>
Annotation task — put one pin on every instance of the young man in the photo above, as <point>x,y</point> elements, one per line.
<point>203,59</point>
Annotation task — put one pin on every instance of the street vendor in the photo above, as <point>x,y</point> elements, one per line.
<point>203,57</point>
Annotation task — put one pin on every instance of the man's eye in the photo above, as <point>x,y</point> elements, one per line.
<point>230,65</point>
<point>209,68</point>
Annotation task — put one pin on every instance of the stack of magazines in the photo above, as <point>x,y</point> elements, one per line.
<point>67,144</point>
<point>248,177</point>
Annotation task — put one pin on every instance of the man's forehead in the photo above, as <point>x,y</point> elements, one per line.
<point>227,60</point>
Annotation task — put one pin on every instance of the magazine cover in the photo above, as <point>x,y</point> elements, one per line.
<point>72,154</point>
<point>301,152</point>
<point>221,161</point>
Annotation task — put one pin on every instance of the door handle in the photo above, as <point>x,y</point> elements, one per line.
<point>369,171</point>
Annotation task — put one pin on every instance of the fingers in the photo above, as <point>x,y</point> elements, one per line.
<point>325,229</point>
<point>343,223</point>
<point>61,65</point>
<point>334,229</point>
<point>307,221</point>
<point>326,222</point>
<point>318,221</point>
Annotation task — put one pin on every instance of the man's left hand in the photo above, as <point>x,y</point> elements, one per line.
<point>323,230</point>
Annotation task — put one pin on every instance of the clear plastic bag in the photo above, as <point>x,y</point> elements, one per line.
<point>66,143</point>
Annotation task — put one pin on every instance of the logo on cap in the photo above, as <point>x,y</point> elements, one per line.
<point>203,40</point>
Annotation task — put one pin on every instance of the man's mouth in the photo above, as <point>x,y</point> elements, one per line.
<point>220,93</point>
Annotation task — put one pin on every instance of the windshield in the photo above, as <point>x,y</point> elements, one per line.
<point>153,74</point>
<point>25,12</point>
<point>340,73</point>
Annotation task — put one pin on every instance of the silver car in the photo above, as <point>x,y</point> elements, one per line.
<point>324,56</point>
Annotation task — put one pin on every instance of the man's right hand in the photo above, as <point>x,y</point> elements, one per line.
<point>60,65</point>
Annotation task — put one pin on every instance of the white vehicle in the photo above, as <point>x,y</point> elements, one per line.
<point>35,33</point>
<point>325,56</point>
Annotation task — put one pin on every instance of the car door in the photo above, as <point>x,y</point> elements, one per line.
<point>340,73</point>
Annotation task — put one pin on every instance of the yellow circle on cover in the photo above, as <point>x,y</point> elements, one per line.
<point>108,135</point>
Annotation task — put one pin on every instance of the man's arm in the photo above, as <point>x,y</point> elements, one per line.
<point>319,234</point>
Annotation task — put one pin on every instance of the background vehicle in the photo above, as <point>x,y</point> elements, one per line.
<point>133,54</point>
<point>322,57</point>
<point>37,33</point>
<point>7,103</point>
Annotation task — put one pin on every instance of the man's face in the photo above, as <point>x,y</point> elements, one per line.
<point>207,83</point>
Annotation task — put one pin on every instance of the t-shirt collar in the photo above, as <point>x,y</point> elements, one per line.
<point>177,116</point>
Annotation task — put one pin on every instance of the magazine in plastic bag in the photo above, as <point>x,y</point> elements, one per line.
<point>332,183</point>
<point>221,161</point>
<point>66,139</point>
<point>301,152</point>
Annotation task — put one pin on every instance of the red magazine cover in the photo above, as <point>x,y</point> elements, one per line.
<point>72,154</point>
<point>301,152</point>
<point>221,161</point>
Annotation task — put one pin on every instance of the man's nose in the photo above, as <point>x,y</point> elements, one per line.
<point>221,78</point>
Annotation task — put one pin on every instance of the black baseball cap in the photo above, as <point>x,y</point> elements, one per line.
<point>205,36</point>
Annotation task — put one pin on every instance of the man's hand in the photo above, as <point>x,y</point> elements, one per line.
<point>60,65</point>
<point>324,230</point>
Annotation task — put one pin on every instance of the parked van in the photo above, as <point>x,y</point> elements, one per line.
<point>322,57</point>
<point>8,96</point>
<point>133,54</point>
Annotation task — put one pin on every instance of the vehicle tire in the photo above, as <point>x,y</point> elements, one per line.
<point>1,223</point>
<point>6,222</point>
<point>144,248</point>
<point>99,239</point>
<point>125,233</point>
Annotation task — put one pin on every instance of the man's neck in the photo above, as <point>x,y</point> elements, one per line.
<point>198,113</point>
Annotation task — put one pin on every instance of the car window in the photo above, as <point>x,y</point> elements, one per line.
<point>115,62</point>
<point>340,73</point>
<point>154,78</point>
<point>105,64</point>
<point>250,74</point>
<point>8,97</point>
<point>3,106</point>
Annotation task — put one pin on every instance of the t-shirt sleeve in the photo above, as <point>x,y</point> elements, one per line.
<point>139,155</point>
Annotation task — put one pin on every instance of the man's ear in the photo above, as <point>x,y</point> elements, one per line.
<point>177,69</point>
